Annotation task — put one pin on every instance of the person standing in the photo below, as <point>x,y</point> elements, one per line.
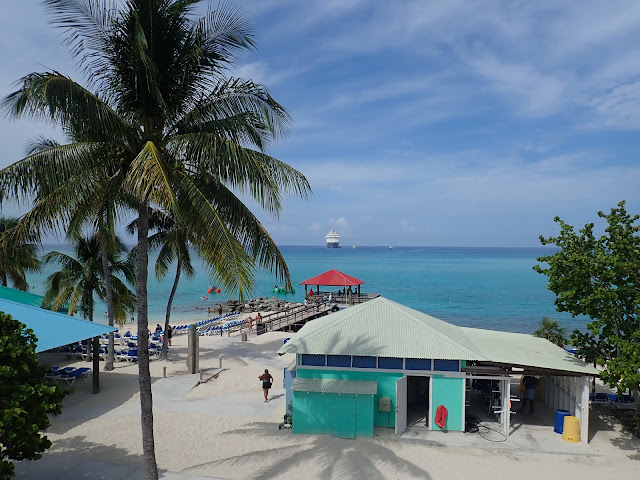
<point>267,380</point>
<point>249,323</point>
<point>530,384</point>
<point>169,335</point>
<point>219,310</point>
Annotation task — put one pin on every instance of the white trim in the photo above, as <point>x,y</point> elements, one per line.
<point>430,422</point>
<point>428,373</point>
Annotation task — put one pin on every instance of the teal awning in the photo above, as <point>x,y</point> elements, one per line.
<point>25,298</point>
<point>53,329</point>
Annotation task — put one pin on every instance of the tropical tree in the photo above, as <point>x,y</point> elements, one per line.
<point>99,213</point>
<point>26,399</point>
<point>599,277</point>
<point>80,278</point>
<point>173,242</point>
<point>16,258</point>
<point>161,121</point>
<point>551,330</point>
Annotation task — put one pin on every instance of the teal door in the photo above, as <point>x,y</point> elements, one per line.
<point>344,416</point>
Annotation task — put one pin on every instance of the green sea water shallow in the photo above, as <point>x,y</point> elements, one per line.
<point>493,288</point>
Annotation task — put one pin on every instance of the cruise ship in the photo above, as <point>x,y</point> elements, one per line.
<point>333,239</point>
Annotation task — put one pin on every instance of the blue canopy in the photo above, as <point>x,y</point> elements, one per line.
<point>53,329</point>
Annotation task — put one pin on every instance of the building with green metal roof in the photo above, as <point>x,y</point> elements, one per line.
<point>25,298</point>
<point>376,364</point>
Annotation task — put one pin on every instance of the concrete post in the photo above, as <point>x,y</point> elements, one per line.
<point>583,383</point>
<point>193,350</point>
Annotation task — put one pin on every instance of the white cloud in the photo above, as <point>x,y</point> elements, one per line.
<point>406,226</point>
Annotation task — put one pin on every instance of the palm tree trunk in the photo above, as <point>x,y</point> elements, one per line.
<point>108,365</point>
<point>163,354</point>
<point>3,279</point>
<point>144,376</point>
<point>95,351</point>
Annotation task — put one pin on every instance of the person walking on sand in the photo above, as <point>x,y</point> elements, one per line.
<point>266,379</point>
<point>249,322</point>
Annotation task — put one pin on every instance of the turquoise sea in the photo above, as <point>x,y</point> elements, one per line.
<point>493,288</point>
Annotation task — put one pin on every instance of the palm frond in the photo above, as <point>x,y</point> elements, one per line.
<point>87,25</point>
<point>84,115</point>
<point>239,110</point>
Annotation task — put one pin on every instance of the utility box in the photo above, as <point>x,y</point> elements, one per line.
<point>384,404</point>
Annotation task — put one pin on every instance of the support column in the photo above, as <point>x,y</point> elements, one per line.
<point>584,402</point>
<point>505,392</point>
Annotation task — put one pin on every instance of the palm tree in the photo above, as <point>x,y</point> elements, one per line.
<point>16,258</point>
<point>169,131</point>
<point>80,278</point>
<point>173,242</point>
<point>551,330</point>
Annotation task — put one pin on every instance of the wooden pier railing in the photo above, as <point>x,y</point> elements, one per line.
<point>292,315</point>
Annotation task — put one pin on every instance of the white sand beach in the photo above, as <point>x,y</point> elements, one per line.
<point>223,428</point>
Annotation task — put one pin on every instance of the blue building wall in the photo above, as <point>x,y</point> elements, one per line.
<point>386,388</point>
<point>342,416</point>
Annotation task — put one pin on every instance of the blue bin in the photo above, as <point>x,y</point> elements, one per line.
<point>560,414</point>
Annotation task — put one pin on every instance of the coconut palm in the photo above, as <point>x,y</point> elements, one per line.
<point>16,257</point>
<point>162,123</point>
<point>551,330</point>
<point>81,277</point>
<point>173,242</point>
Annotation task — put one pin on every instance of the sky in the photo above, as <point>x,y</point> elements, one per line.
<point>440,123</point>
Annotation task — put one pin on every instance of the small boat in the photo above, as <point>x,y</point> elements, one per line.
<point>282,290</point>
<point>354,247</point>
<point>390,247</point>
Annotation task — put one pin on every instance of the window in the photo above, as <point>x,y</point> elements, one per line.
<point>417,364</point>
<point>446,365</point>
<point>389,362</point>
<point>313,360</point>
<point>364,362</point>
<point>338,360</point>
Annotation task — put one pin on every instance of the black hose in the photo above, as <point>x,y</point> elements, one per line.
<point>474,425</point>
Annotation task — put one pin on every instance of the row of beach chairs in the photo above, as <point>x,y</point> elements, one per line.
<point>611,398</point>
<point>67,374</point>
<point>221,328</point>
<point>204,324</point>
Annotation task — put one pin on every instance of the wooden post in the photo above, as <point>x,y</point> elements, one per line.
<point>220,365</point>
<point>164,372</point>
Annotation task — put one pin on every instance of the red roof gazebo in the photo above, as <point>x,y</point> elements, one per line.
<point>334,278</point>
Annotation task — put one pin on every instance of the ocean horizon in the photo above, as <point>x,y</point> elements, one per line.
<point>483,287</point>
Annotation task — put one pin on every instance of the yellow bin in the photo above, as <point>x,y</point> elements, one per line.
<point>571,430</point>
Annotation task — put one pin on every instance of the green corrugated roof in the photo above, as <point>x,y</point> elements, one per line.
<point>382,328</point>
<point>19,296</point>
<point>525,350</point>
<point>322,385</point>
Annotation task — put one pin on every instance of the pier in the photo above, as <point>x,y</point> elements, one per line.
<point>290,319</point>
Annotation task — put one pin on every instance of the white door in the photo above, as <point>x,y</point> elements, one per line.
<point>401,405</point>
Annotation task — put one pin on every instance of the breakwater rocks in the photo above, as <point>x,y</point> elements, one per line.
<point>258,304</point>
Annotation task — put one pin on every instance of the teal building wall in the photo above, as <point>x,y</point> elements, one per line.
<point>342,416</point>
<point>386,388</point>
<point>448,392</point>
